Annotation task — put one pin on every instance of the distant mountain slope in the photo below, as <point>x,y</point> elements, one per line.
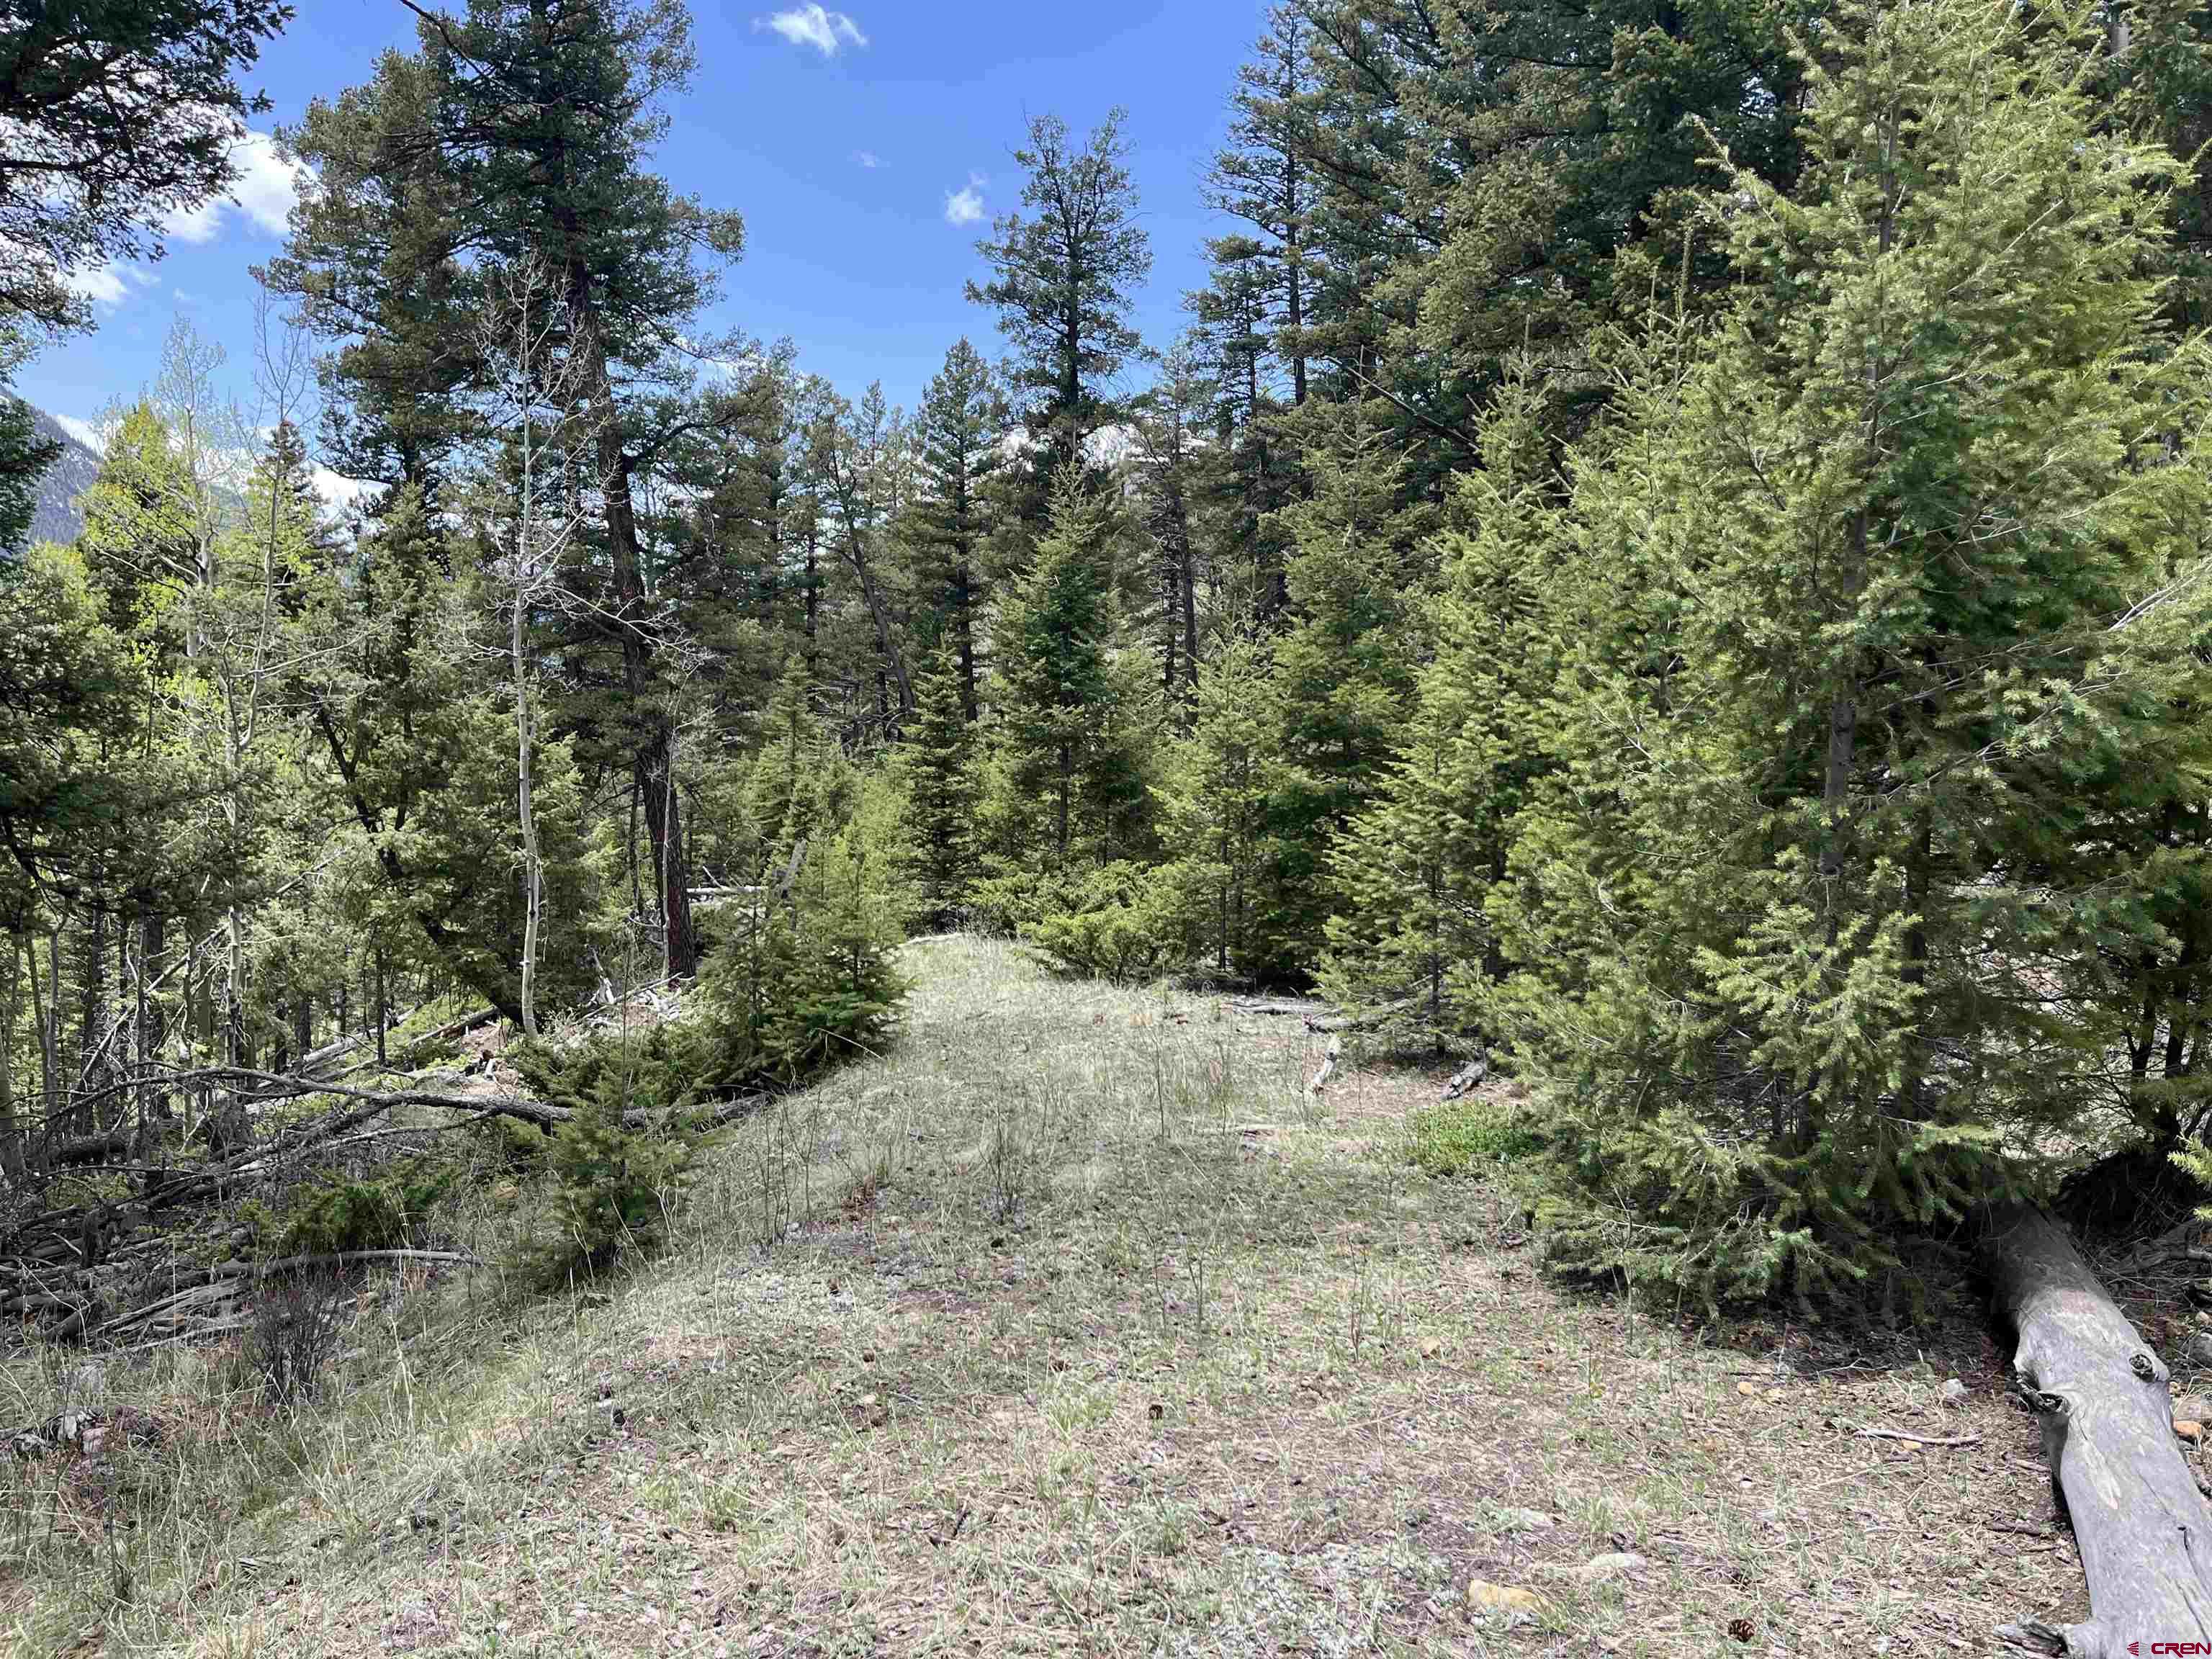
<point>55,517</point>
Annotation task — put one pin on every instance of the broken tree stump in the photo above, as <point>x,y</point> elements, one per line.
<point>2143,1528</point>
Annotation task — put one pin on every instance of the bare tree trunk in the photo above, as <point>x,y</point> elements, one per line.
<point>534,880</point>
<point>154,1029</point>
<point>92,1009</point>
<point>11,1150</point>
<point>47,1012</point>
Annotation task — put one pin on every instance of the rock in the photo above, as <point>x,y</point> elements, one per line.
<point>1954,1393</point>
<point>1525,1520</point>
<point>1613,1564</point>
<point>2195,1408</point>
<point>1483,1596</point>
<point>2189,1429</point>
<point>2200,1348</point>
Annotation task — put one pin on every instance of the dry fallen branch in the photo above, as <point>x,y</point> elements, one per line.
<point>1919,1439</point>
<point>1328,1067</point>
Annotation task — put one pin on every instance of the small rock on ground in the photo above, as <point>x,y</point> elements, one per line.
<point>1482,1596</point>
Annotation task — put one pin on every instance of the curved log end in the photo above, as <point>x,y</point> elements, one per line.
<point>2083,1641</point>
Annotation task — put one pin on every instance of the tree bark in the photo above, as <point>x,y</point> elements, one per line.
<point>12,1154</point>
<point>2143,1529</point>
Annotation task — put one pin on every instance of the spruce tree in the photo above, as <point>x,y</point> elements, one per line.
<point>1412,874</point>
<point>1071,727</point>
<point>1875,608</point>
<point>1214,801</point>
<point>936,762</point>
<point>1346,668</point>
<point>780,796</point>
<point>960,427</point>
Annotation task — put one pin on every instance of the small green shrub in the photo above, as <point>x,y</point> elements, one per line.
<point>335,1213</point>
<point>1118,923</point>
<point>612,1184</point>
<point>1460,1136</point>
<point>802,981</point>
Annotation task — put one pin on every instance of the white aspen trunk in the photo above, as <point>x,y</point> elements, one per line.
<point>525,812</point>
<point>11,1152</point>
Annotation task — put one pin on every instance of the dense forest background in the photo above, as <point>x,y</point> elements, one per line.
<point>1670,550</point>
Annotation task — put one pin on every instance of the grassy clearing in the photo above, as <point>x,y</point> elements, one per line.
<point>1071,1326</point>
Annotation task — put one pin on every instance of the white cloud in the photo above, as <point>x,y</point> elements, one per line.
<point>868,158</point>
<point>108,286</point>
<point>812,26</point>
<point>965,207</point>
<point>102,284</point>
<point>266,186</point>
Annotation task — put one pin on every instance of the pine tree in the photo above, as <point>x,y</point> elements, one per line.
<point>961,425</point>
<point>1414,874</point>
<point>1071,727</point>
<point>780,797</point>
<point>1871,614</point>
<point>936,762</point>
<point>518,130</point>
<point>1344,670</point>
<point>1214,806</point>
<point>1064,282</point>
<point>117,117</point>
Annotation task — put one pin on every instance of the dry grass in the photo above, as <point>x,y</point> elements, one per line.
<point>1071,1326</point>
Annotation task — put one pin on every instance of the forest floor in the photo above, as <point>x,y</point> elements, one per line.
<point>1072,1325</point>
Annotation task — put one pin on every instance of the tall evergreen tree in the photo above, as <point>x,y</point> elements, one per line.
<point>1876,609</point>
<point>962,425</point>
<point>1066,782</point>
<point>1345,667</point>
<point>115,115</point>
<point>938,763</point>
<point>1064,280</point>
<point>1409,938</point>
<point>1214,810</point>
<point>522,130</point>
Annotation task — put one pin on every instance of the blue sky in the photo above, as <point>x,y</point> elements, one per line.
<point>846,139</point>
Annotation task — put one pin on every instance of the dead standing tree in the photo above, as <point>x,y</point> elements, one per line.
<point>535,394</point>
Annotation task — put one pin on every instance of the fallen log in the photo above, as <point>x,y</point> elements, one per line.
<point>1304,1008</point>
<point>1366,1020</point>
<point>1468,1077</point>
<point>452,1029</point>
<point>2143,1529</point>
<point>91,1149</point>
